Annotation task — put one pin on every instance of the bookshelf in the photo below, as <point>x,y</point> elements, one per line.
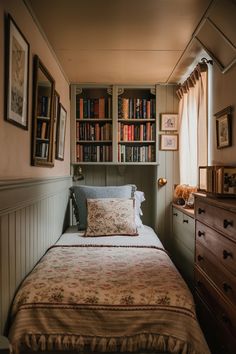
<point>93,125</point>
<point>113,125</point>
<point>42,120</point>
<point>136,126</point>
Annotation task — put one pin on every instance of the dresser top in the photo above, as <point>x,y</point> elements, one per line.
<point>225,203</point>
<point>187,211</point>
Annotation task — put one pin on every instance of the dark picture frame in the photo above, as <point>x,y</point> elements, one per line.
<point>169,142</point>
<point>17,51</point>
<point>61,133</point>
<point>56,108</point>
<point>223,128</point>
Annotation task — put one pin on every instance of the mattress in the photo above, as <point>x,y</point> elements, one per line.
<point>106,294</point>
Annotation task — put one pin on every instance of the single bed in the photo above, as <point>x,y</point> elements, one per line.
<point>105,294</point>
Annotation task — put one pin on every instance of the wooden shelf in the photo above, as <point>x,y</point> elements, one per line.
<point>137,120</point>
<point>95,120</point>
<point>94,141</point>
<point>43,118</point>
<point>108,101</point>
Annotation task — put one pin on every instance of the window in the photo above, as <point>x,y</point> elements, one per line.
<point>193,132</point>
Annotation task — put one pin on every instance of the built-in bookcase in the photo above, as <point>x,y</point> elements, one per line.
<point>113,125</point>
<point>93,125</point>
<point>137,126</point>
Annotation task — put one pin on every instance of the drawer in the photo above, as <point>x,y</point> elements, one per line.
<point>184,229</point>
<point>223,311</point>
<point>184,261</point>
<point>223,279</point>
<point>221,219</point>
<point>177,216</point>
<point>223,248</point>
<point>219,341</point>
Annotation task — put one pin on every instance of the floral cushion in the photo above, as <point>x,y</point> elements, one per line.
<point>111,216</point>
<point>81,193</point>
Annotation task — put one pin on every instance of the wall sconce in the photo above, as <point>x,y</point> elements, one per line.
<point>77,173</point>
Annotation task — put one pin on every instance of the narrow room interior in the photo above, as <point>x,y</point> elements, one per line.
<point>117,176</point>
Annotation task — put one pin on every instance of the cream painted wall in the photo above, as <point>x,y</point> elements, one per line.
<point>15,143</point>
<point>224,94</point>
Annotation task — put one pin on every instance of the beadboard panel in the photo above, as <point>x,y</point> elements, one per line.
<point>119,175</point>
<point>168,168</point>
<point>33,214</point>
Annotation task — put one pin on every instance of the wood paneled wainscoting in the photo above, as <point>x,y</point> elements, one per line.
<point>33,214</point>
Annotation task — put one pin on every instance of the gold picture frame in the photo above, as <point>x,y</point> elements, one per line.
<point>169,121</point>
<point>169,142</point>
<point>223,128</point>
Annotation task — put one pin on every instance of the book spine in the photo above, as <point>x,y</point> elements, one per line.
<point>81,108</point>
<point>101,108</point>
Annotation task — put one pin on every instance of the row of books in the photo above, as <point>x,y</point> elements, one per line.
<point>94,108</point>
<point>43,107</point>
<point>42,129</point>
<point>42,150</point>
<point>96,131</point>
<point>134,132</point>
<point>136,108</point>
<point>136,153</point>
<point>94,153</point>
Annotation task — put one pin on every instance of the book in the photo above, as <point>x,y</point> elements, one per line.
<point>101,107</point>
<point>44,130</point>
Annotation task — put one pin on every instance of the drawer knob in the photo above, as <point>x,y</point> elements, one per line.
<point>225,318</point>
<point>227,223</point>
<point>227,254</point>
<point>226,287</point>
<point>199,283</point>
<point>185,220</point>
<point>199,258</point>
<point>201,233</point>
<point>201,211</point>
<point>175,214</point>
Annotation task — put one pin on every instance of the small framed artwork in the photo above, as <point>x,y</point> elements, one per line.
<point>169,121</point>
<point>223,128</point>
<point>61,132</point>
<point>16,75</point>
<point>55,115</point>
<point>169,142</point>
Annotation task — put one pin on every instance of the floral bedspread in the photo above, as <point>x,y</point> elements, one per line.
<point>105,299</point>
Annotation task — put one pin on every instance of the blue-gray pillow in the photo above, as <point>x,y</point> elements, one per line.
<point>80,194</point>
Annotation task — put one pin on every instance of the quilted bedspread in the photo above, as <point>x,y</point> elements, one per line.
<point>105,299</point>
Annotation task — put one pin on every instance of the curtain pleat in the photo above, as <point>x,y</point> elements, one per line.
<point>193,124</point>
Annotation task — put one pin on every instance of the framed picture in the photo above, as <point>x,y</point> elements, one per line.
<point>169,121</point>
<point>16,75</point>
<point>169,142</point>
<point>55,115</point>
<point>223,128</point>
<point>61,131</point>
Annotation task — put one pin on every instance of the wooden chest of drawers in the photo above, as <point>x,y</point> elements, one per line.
<point>215,271</point>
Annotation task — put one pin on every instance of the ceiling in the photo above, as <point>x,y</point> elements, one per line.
<point>121,41</point>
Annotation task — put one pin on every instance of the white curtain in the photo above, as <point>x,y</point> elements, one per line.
<point>193,127</point>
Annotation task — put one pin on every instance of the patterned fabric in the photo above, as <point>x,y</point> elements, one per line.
<point>105,299</point>
<point>107,217</point>
<point>81,193</point>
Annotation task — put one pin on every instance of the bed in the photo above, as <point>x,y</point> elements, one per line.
<point>105,294</point>
<point>127,296</point>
